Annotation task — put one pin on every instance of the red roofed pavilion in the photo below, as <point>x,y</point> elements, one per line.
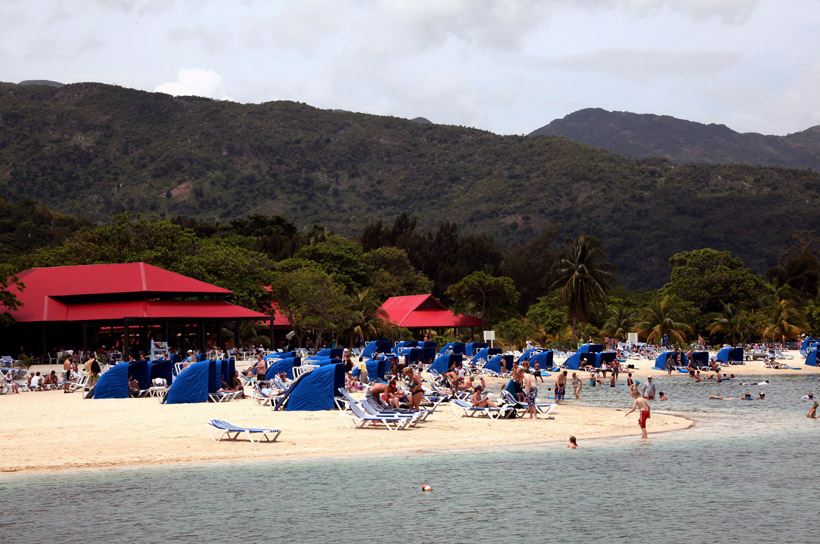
<point>424,312</point>
<point>60,304</point>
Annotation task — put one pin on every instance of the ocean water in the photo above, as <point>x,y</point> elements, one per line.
<point>747,471</point>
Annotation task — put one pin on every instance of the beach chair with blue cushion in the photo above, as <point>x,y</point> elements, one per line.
<point>356,415</point>
<point>232,432</point>
<point>521,408</point>
<point>465,409</point>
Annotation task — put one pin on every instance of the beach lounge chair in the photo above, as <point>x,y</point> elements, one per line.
<point>232,432</point>
<point>465,409</point>
<point>356,415</point>
<point>262,399</point>
<point>224,396</point>
<point>521,407</point>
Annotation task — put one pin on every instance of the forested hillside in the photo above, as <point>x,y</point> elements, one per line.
<point>94,150</point>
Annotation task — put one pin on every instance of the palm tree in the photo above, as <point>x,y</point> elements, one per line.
<point>785,320</point>
<point>727,320</point>
<point>620,321</point>
<point>584,277</point>
<point>663,318</point>
<point>368,320</point>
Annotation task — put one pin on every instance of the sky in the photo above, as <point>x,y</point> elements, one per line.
<point>507,66</point>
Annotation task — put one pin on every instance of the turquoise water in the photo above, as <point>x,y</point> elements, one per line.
<point>746,472</point>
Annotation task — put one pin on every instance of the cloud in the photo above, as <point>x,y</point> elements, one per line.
<point>195,82</point>
<point>734,12</point>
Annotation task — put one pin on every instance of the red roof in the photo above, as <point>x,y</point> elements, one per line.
<point>158,309</point>
<point>416,311</point>
<point>96,292</point>
<point>109,279</point>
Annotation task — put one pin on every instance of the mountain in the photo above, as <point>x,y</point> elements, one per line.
<point>641,136</point>
<point>96,150</point>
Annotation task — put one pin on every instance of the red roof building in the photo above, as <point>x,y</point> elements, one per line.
<point>62,300</point>
<point>424,311</point>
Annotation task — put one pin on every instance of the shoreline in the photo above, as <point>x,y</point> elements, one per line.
<point>120,433</point>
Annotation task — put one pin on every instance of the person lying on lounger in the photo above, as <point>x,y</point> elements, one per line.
<point>479,401</point>
<point>133,384</point>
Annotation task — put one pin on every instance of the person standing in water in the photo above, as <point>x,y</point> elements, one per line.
<point>642,405</point>
<point>813,412</point>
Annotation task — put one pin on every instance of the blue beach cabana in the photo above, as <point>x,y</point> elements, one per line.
<point>730,355</point>
<point>113,384</point>
<point>494,364</point>
<point>811,358</point>
<point>660,362</point>
<point>316,390</point>
<point>161,369</point>
<point>377,346</point>
<point>474,347</point>
<point>442,363</point>
<point>193,384</point>
<point>544,360</point>
<point>486,354</point>
<point>699,358</point>
<point>285,365</point>
<point>574,362</point>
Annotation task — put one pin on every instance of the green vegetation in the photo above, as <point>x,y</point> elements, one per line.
<point>95,151</point>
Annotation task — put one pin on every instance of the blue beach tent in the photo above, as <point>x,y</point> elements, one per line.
<point>486,354</point>
<point>377,346</point>
<point>700,358</point>
<point>407,344</point>
<point>442,363</point>
<point>413,355</point>
<point>285,365</point>
<point>811,358</point>
<point>193,384</point>
<point>113,384</point>
<point>161,369</point>
<point>660,362</point>
<point>574,362</point>
<point>281,355</point>
<point>544,360</point>
<point>730,355</point>
<point>474,347</point>
<point>495,363</point>
<point>456,347</point>
<point>316,390</point>
<point>375,369</point>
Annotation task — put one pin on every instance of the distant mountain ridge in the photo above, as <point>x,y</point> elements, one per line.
<point>642,136</point>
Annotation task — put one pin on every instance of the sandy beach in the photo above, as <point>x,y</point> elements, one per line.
<point>50,430</point>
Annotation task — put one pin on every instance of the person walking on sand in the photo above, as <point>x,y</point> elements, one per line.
<point>560,386</point>
<point>649,389</point>
<point>576,385</point>
<point>66,374</point>
<point>642,405</point>
<point>532,393</point>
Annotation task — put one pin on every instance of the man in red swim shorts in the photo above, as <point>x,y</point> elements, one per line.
<point>643,405</point>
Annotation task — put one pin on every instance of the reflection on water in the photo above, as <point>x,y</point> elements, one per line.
<point>746,471</point>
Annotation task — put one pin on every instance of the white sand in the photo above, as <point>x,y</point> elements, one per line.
<point>51,430</point>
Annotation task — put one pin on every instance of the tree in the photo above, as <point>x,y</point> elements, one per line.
<point>663,318</point>
<point>482,295</point>
<point>784,321</point>
<point>708,278</point>
<point>526,265</point>
<point>8,299</point>
<point>547,317</point>
<point>367,319</point>
<point>726,321</point>
<point>620,321</point>
<point>311,300</point>
<point>799,266</point>
<point>583,276</point>
<point>393,275</point>
<point>340,258</point>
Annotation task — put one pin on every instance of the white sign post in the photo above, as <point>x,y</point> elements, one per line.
<point>489,336</point>
<point>632,337</point>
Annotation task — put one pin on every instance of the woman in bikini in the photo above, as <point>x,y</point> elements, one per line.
<point>416,392</point>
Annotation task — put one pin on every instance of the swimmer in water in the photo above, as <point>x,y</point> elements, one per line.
<point>663,397</point>
<point>813,412</point>
<point>573,444</point>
